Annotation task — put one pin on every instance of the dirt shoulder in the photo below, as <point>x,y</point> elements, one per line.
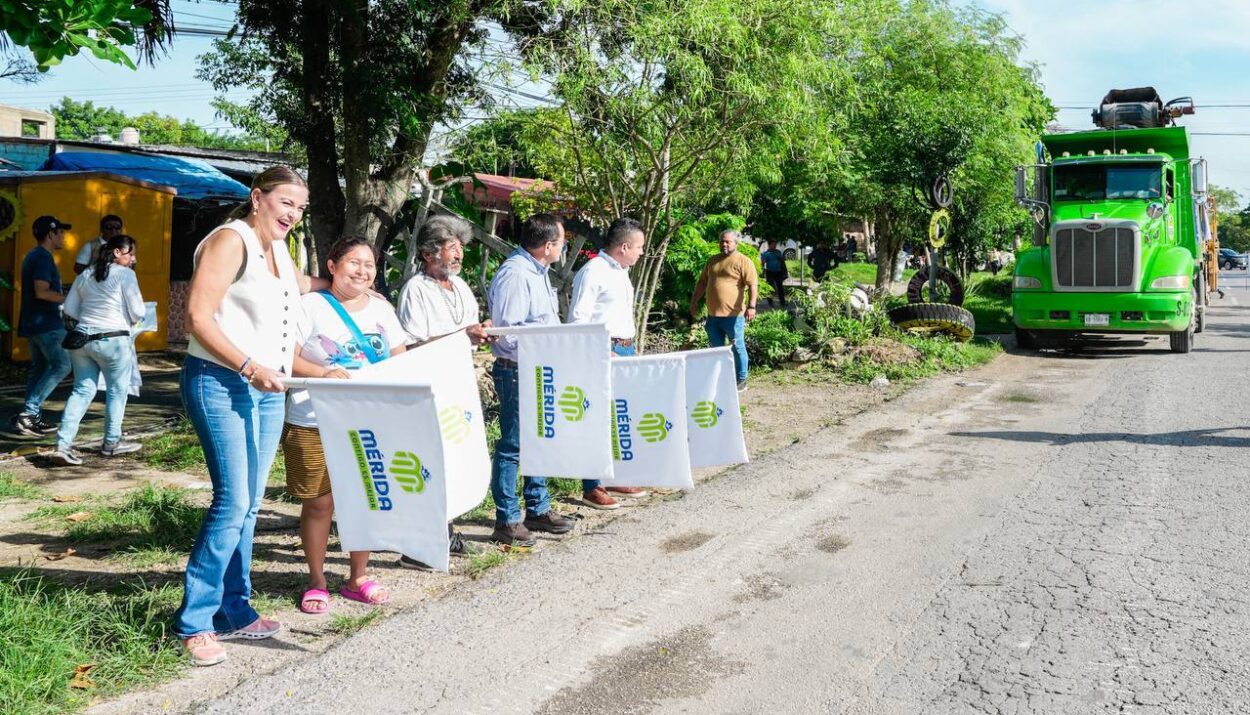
<point>781,408</point>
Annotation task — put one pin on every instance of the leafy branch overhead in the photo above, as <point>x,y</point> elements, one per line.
<point>55,29</point>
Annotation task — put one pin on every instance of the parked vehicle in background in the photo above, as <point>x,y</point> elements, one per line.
<point>1230,259</point>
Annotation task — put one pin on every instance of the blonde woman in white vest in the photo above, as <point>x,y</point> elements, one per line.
<point>242,312</point>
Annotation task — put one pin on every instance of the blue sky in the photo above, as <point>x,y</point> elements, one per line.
<point>1084,47</point>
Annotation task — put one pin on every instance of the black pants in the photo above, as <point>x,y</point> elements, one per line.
<point>776,279</point>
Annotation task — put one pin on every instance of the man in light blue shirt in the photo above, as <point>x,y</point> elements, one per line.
<point>521,294</point>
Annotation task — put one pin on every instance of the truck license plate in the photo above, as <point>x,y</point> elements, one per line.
<point>1097,319</point>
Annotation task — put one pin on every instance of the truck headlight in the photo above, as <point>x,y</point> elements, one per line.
<point>1026,282</point>
<point>1170,283</point>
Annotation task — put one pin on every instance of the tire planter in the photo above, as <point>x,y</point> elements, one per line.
<point>935,318</point>
<point>945,276</point>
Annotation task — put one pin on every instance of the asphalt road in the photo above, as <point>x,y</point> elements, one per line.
<point>1053,534</point>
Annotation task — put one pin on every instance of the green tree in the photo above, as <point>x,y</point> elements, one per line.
<point>55,29</point>
<point>81,120</point>
<point>936,91</point>
<point>360,85</point>
<point>1234,219</point>
<point>672,106</point>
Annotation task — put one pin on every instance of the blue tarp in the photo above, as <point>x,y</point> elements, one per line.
<point>193,179</point>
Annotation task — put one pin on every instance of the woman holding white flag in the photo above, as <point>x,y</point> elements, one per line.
<point>241,311</point>
<point>346,327</point>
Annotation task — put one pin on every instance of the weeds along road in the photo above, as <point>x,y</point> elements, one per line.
<point>1051,534</point>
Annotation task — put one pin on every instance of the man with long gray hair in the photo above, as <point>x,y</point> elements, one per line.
<point>435,303</point>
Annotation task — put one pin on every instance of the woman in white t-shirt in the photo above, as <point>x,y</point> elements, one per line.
<point>105,301</point>
<point>329,347</point>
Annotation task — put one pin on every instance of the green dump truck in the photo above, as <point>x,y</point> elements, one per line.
<point>1122,229</point>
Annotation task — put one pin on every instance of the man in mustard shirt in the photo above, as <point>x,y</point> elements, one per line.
<point>731,284</point>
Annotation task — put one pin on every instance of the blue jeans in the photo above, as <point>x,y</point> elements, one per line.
<point>239,428</point>
<point>589,485</point>
<point>49,364</point>
<point>113,357</point>
<point>720,330</point>
<point>508,453</point>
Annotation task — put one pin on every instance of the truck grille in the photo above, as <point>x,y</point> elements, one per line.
<point>1099,260</point>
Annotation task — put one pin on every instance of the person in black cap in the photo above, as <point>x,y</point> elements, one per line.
<point>40,322</point>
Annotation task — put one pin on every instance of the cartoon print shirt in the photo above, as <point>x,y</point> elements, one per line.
<point>325,340</point>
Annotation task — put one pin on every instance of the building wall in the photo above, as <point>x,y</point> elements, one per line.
<point>12,120</point>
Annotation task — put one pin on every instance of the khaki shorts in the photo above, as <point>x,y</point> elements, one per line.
<point>306,474</point>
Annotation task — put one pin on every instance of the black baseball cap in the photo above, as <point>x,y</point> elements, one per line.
<point>47,224</point>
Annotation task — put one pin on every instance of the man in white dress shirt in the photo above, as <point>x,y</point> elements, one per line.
<point>603,293</point>
<point>435,303</point>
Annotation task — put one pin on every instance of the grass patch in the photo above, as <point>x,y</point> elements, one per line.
<point>478,564</point>
<point>13,488</point>
<point>342,624</point>
<point>989,301</point>
<point>150,525</point>
<point>50,630</point>
<point>938,355</point>
<point>1019,397</point>
<point>177,450</point>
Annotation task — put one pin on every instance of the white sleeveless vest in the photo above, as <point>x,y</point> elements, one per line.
<point>259,312</point>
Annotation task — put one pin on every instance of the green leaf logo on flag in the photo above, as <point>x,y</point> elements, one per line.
<point>453,422</point>
<point>408,471</point>
<point>706,414</point>
<point>573,403</point>
<point>653,427</point>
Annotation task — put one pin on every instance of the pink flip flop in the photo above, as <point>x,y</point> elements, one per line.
<point>365,593</point>
<point>315,595</point>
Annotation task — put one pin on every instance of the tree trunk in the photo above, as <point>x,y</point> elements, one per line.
<point>889,244</point>
<point>325,198</point>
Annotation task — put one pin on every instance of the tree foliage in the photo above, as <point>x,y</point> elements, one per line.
<point>81,120</point>
<point>360,85</point>
<point>55,29</point>
<point>671,106</point>
<point>1234,219</point>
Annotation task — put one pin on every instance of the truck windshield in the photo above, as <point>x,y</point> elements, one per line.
<point>1100,182</point>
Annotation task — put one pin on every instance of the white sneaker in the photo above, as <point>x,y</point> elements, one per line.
<point>121,447</point>
<point>65,458</point>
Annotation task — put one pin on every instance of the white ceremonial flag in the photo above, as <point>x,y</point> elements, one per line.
<point>649,430</point>
<point>564,380</point>
<point>712,409</point>
<point>384,453</point>
<point>446,365</point>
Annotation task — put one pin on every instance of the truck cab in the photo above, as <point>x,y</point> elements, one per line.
<point>1119,244</point>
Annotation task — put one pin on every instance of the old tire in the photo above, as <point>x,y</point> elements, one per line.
<point>1026,339</point>
<point>945,277</point>
<point>935,318</point>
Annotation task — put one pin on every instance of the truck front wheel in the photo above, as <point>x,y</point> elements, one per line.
<point>1182,341</point>
<point>1026,339</point>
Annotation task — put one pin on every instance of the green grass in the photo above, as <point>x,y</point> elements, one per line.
<point>49,630</point>
<point>478,564</point>
<point>341,624</point>
<point>13,488</point>
<point>149,525</point>
<point>938,355</point>
<point>177,450</point>
<point>989,301</point>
